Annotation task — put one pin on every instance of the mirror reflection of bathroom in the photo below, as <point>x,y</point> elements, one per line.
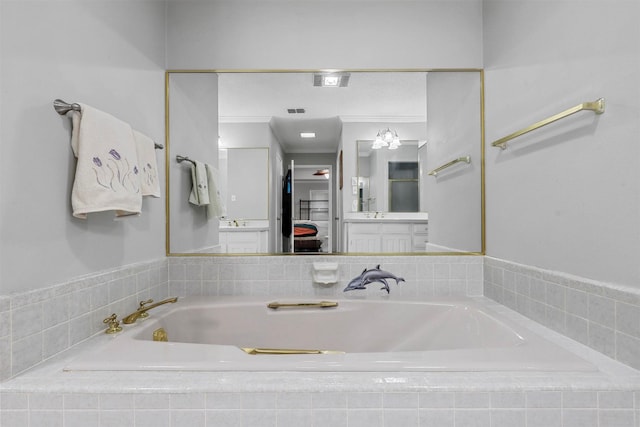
<point>312,209</point>
<point>389,180</point>
<point>275,130</point>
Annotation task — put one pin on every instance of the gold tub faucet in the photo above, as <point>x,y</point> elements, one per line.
<point>144,308</point>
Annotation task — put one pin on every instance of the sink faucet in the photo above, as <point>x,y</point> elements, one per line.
<point>143,309</point>
<point>235,221</point>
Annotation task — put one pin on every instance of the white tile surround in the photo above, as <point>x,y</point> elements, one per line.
<point>37,325</point>
<point>604,317</point>
<point>44,396</point>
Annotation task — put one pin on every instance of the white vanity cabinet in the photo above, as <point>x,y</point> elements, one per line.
<point>385,236</point>
<point>244,241</point>
<point>363,237</point>
<point>395,237</point>
<point>420,233</point>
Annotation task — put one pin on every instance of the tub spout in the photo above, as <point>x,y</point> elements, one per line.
<point>143,309</point>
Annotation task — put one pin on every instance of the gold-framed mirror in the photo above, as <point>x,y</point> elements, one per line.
<point>309,137</point>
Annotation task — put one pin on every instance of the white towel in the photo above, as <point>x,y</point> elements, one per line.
<point>146,149</point>
<point>200,189</point>
<point>215,208</point>
<point>106,172</point>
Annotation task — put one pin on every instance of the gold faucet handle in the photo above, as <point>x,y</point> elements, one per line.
<point>142,304</point>
<point>114,324</point>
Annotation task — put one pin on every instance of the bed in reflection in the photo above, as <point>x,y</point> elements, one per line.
<point>306,238</point>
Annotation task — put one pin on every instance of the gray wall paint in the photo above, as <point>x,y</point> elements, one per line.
<point>110,56</point>
<point>567,197</point>
<point>283,34</point>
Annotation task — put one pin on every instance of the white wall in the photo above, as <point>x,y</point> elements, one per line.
<point>103,53</point>
<point>566,197</point>
<point>283,34</point>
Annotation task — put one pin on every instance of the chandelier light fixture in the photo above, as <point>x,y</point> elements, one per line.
<point>386,138</point>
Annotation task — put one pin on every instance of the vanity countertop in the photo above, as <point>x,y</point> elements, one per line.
<point>244,228</point>
<point>388,218</point>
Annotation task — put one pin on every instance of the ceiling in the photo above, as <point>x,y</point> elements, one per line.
<point>384,97</point>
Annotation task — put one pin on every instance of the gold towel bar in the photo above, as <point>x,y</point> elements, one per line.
<point>321,304</point>
<point>596,106</point>
<point>251,350</point>
<point>466,159</point>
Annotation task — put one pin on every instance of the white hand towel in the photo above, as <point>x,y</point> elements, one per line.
<point>146,149</point>
<point>199,191</point>
<point>107,175</point>
<point>215,208</point>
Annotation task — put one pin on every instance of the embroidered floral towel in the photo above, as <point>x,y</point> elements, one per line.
<point>107,174</point>
<point>147,165</point>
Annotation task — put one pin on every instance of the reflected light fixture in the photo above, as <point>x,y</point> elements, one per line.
<point>307,134</point>
<point>331,79</point>
<point>387,138</point>
<point>322,172</point>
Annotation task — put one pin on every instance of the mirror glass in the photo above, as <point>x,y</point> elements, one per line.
<point>388,180</point>
<point>326,161</point>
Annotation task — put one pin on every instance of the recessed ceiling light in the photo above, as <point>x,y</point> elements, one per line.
<point>331,79</point>
<point>307,134</point>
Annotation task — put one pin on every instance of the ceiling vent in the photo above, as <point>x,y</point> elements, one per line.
<point>296,110</point>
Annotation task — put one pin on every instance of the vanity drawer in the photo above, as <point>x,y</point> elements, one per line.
<point>422,228</point>
<point>396,228</point>
<point>364,228</point>
<point>420,243</point>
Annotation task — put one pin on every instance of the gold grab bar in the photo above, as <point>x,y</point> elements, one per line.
<point>251,350</point>
<point>466,159</point>
<point>322,304</point>
<point>596,106</point>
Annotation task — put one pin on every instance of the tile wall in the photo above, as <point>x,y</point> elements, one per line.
<point>274,276</point>
<point>604,317</point>
<point>335,409</point>
<point>37,325</point>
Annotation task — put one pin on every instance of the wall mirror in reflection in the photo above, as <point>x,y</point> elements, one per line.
<point>308,164</point>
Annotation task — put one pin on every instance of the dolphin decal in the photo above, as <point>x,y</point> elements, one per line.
<point>371,276</point>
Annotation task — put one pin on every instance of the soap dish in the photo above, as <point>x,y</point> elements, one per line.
<point>325,272</point>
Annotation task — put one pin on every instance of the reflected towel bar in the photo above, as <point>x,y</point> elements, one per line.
<point>466,159</point>
<point>596,106</point>
<point>181,159</point>
<point>63,108</point>
<point>321,304</point>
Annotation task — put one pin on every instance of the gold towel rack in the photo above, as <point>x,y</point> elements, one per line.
<point>596,106</point>
<point>466,159</point>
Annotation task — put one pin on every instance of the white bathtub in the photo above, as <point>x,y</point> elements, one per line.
<point>207,334</point>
